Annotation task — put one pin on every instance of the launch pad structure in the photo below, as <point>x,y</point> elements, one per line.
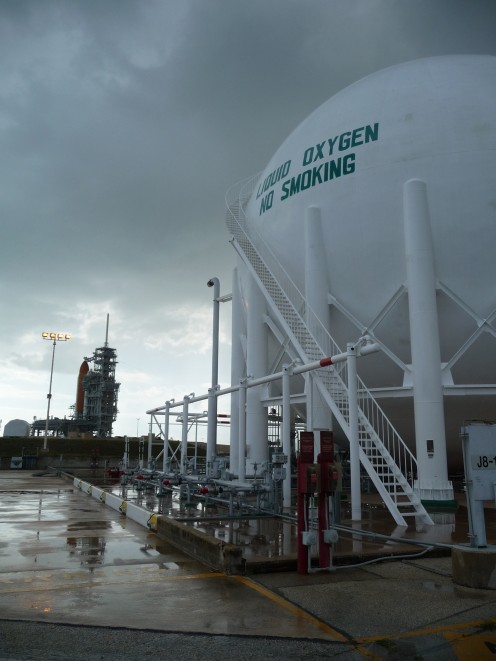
<point>95,409</point>
<point>101,391</point>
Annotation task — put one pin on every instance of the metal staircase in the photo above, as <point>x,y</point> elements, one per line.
<point>383,454</point>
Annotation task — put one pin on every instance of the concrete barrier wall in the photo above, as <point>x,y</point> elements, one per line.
<point>113,501</point>
<point>211,551</point>
<point>142,516</point>
<point>139,514</point>
<point>116,502</point>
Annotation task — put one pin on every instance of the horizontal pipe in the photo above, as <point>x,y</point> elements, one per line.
<point>369,348</point>
<point>252,383</point>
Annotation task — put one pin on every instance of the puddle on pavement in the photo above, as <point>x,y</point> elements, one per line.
<point>90,552</point>
<point>273,538</point>
<point>265,537</point>
<point>89,525</point>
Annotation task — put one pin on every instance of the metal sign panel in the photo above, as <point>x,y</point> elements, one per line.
<point>479,450</point>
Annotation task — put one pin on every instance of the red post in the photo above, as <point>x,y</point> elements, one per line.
<point>305,460</point>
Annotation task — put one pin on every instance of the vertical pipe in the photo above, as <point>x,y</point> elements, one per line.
<point>165,458</point>
<point>242,431</point>
<point>196,445</point>
<point>211,429</point>
<point>286,433</point>
<point>184,441</point>
<point>424,338</point>
<point>356,504</point>
<point>316,291</point>
<point>150,441</point>
<point>309,391</point>
<point>238,368</point>
<point>212,401</point>
<point>125,459</point>
<point>256,413</point>
<point>316,282</point>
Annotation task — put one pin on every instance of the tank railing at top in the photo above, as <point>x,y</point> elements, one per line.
<point>373,422</point>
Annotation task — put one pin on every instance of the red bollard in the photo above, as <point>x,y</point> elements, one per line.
<point>308,482</point>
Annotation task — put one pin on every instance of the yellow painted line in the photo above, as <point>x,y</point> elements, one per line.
<point>110,582</point>
<point>480,645</point>
<point>281,601</point>
<point>292,608</point>
<point>431,630</point>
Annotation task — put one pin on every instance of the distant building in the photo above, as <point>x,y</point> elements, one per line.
<point>16,428</point>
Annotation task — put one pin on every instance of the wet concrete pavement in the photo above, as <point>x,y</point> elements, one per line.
<point>69,560</point>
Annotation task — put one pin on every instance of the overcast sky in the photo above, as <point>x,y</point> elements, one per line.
<point>122,125</point>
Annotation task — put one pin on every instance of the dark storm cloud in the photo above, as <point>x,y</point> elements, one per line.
<point>123,123</point>
<point>130,119</point>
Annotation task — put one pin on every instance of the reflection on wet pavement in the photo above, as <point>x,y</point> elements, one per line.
<point>266,537</point>
<point>65,557</point>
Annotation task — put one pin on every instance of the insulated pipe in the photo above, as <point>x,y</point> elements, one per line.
<point>356,502</point>
<point>212,400</point>
<point>300,369</point>
<point>286,434</point>
<point>242,431</point>
<point>424,338</point>
<point>184,438</point>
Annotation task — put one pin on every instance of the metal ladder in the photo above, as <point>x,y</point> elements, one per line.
<point>383,454</point>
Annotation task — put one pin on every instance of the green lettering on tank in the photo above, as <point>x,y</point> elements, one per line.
<point>344,141</point>
<point>295,185</point>
<point>372,132</point>
<point>349,163</point>
<point>356,137</point>
<point>327,171</point>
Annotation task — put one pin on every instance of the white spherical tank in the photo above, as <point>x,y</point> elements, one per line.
<point>432,119</point>
<point>16,428</point>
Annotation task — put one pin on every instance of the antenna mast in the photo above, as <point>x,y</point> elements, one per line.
<point>106,331</point>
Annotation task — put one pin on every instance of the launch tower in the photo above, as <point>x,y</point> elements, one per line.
<point>101,389</point>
